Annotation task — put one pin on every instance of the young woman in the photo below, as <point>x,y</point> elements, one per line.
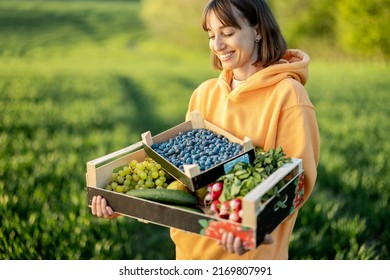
<point>260,94</point>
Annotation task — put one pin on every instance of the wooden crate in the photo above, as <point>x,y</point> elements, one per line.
<point>258,218</point>
<point>192,176</point>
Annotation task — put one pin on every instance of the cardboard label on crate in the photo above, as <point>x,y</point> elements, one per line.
<point>229,166</point>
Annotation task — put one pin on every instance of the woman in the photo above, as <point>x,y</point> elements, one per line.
<point>260,94</point>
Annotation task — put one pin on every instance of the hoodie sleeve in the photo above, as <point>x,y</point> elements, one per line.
<point>298,133</point>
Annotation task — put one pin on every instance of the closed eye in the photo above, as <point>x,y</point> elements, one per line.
<point>211,36</point>
<point>228,34</point>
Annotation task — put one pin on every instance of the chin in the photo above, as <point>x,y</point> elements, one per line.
<point>228,66</point>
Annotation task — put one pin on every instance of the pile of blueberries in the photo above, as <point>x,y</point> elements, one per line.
<point>197,146</point>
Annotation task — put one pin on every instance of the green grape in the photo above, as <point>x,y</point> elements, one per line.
<point>114,185</point>
<point>126,170</point>
<point>143,175</point>
<point>140,166</point>
<point>159,182</point>
<point>120,179</point>
<point>139,175</point>
<point>154,174</point>
<point>150,165</point>
<point>149,184</point>
<point>141,182</point>
<point>125,189</point>
<point>114,176</point>
<point>133,163</point>
<point>108,187</point>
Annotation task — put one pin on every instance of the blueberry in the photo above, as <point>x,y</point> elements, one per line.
<point>200,146</point>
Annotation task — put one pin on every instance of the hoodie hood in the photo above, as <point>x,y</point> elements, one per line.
<point>293,65</point>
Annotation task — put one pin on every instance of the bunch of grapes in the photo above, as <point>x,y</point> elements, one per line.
<point>139,175</point>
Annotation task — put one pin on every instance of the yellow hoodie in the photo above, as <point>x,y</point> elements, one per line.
<point>273,109</point>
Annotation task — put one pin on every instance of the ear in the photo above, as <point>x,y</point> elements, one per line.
<point>257,33</point>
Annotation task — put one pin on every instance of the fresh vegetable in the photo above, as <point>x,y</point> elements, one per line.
<point>245,177</point>
<point>215,207</point>
<point>224,196</point>
<point>175,197</point>
<point>214,191</point>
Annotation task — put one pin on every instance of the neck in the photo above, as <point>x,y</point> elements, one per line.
<point>241,75</point>
<point>235,83</point>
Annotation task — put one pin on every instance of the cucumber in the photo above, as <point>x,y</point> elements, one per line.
<point>175,197</point>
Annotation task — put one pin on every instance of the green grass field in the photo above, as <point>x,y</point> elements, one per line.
<point>81,79</point>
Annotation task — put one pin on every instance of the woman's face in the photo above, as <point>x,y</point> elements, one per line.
<point>235,48</point>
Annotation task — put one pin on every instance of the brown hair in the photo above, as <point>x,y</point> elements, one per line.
<point>272,45</point>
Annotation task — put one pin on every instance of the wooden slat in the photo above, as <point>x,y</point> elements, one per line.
<point>191,170</point>
<point>99,177</point>
<point>116,154</point>
<point>196,120</point>
<point>147,138</point>
<point>248,144</point>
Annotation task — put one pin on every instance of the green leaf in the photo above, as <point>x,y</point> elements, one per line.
<point>236,187</point>
<point>203,222</point>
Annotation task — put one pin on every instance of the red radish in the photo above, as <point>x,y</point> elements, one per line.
<point>216,190</point>
<point>207,198</point>
<point>224,211</point>
<point>235,217</point>
<point>240,213</point>
<point>235,204</point>
<point>215,206</point>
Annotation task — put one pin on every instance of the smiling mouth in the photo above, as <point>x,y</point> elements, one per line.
<point>226,56</point>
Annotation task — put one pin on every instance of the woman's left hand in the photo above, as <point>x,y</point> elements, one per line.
<point>234,244</point>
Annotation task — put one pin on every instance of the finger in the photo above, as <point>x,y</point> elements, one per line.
<point>110,212</point>
<point>99,206</point>
<point>104,208</point>
<point>230,242</point>
<point>94,205</point>
<point>223,240</point>
<point>238,246</point>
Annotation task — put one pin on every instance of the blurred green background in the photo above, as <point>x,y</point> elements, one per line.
<point>81,79</point>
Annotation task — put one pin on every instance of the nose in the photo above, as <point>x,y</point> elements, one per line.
<point>218,43</point>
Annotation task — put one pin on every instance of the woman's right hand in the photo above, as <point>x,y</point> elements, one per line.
<point>101,209</point>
